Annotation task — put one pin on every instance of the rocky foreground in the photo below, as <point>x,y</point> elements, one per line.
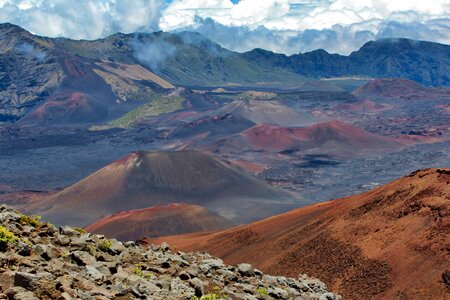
<point>40,261</point>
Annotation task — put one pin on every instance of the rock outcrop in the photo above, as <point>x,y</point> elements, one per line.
<point>40,261</point>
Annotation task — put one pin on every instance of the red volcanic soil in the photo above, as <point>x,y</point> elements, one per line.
<point>183,115</point>
<point>63,107</point>
<point>334,137</point>
<point>158,221</point>
<point>272,136</point>
<point>249,166</point>
<point>362,106</point>
<point>389,243</point>
<point>398,89</point>
<point>4,188</point>
<point>71,66</point>
<point>444,108</point>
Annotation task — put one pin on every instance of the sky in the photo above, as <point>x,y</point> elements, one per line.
<point>284,26</point>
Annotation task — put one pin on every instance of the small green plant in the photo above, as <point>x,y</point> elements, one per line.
<point>80,230</point>
<point>34,221</point>
<point>138,270</point>
<point>104,245</point>
<point>64,255</point>
<point>141,273</point>
<point>90,249</point>
<point>6,237</point>
<point>27,241</point>
<point>262,291</point>
<point>212,296</point>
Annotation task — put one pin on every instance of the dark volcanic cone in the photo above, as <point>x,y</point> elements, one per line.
<point>145,179</point>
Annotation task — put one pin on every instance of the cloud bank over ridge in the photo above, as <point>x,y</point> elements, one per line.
<point>287,26</point>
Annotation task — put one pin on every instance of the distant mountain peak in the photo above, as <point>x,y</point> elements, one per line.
<point>8,29</point>
<point>8,25</point>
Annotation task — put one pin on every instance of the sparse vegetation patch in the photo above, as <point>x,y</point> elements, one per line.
<point>156,106</point>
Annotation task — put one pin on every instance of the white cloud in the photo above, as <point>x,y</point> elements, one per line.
<point>83,19</point>
<point>385,7</point>
<point>251,13</point>
<point>287,26</point>
<point>296,14</point>
<point>291,26</point>
<point>341,39</point>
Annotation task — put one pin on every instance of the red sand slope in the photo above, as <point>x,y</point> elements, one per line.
<point>389,243</point>
<point>334,137</point>
<point>160,220</point>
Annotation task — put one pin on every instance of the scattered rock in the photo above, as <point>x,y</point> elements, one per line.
<point>246,269</point>
<point>93,274</point>
<point>184,276</point>
<point>82,258</point>
<point>29,281</point>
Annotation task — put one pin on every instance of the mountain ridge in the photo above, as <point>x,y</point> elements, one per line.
<point>386,47</point>
<point>387,57</point>
<point>35,69</point>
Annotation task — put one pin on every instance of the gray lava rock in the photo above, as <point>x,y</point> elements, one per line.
<point>29,281</point>
<point>246,269</point>
<point>43,251</point>
<point>93,273</point>
<point>82,258</point>
<point>68,264</point>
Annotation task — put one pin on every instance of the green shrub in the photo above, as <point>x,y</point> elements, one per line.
<point>262,291</point>
<point>141,273</point>
<point>64,255</point>
<point>34,221</point>
<point>138,270</point>
<point>6,236</point>
<point>212,296</point>
<point>80,230</point>
<point>90,249</point>
<point>104,245</point>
